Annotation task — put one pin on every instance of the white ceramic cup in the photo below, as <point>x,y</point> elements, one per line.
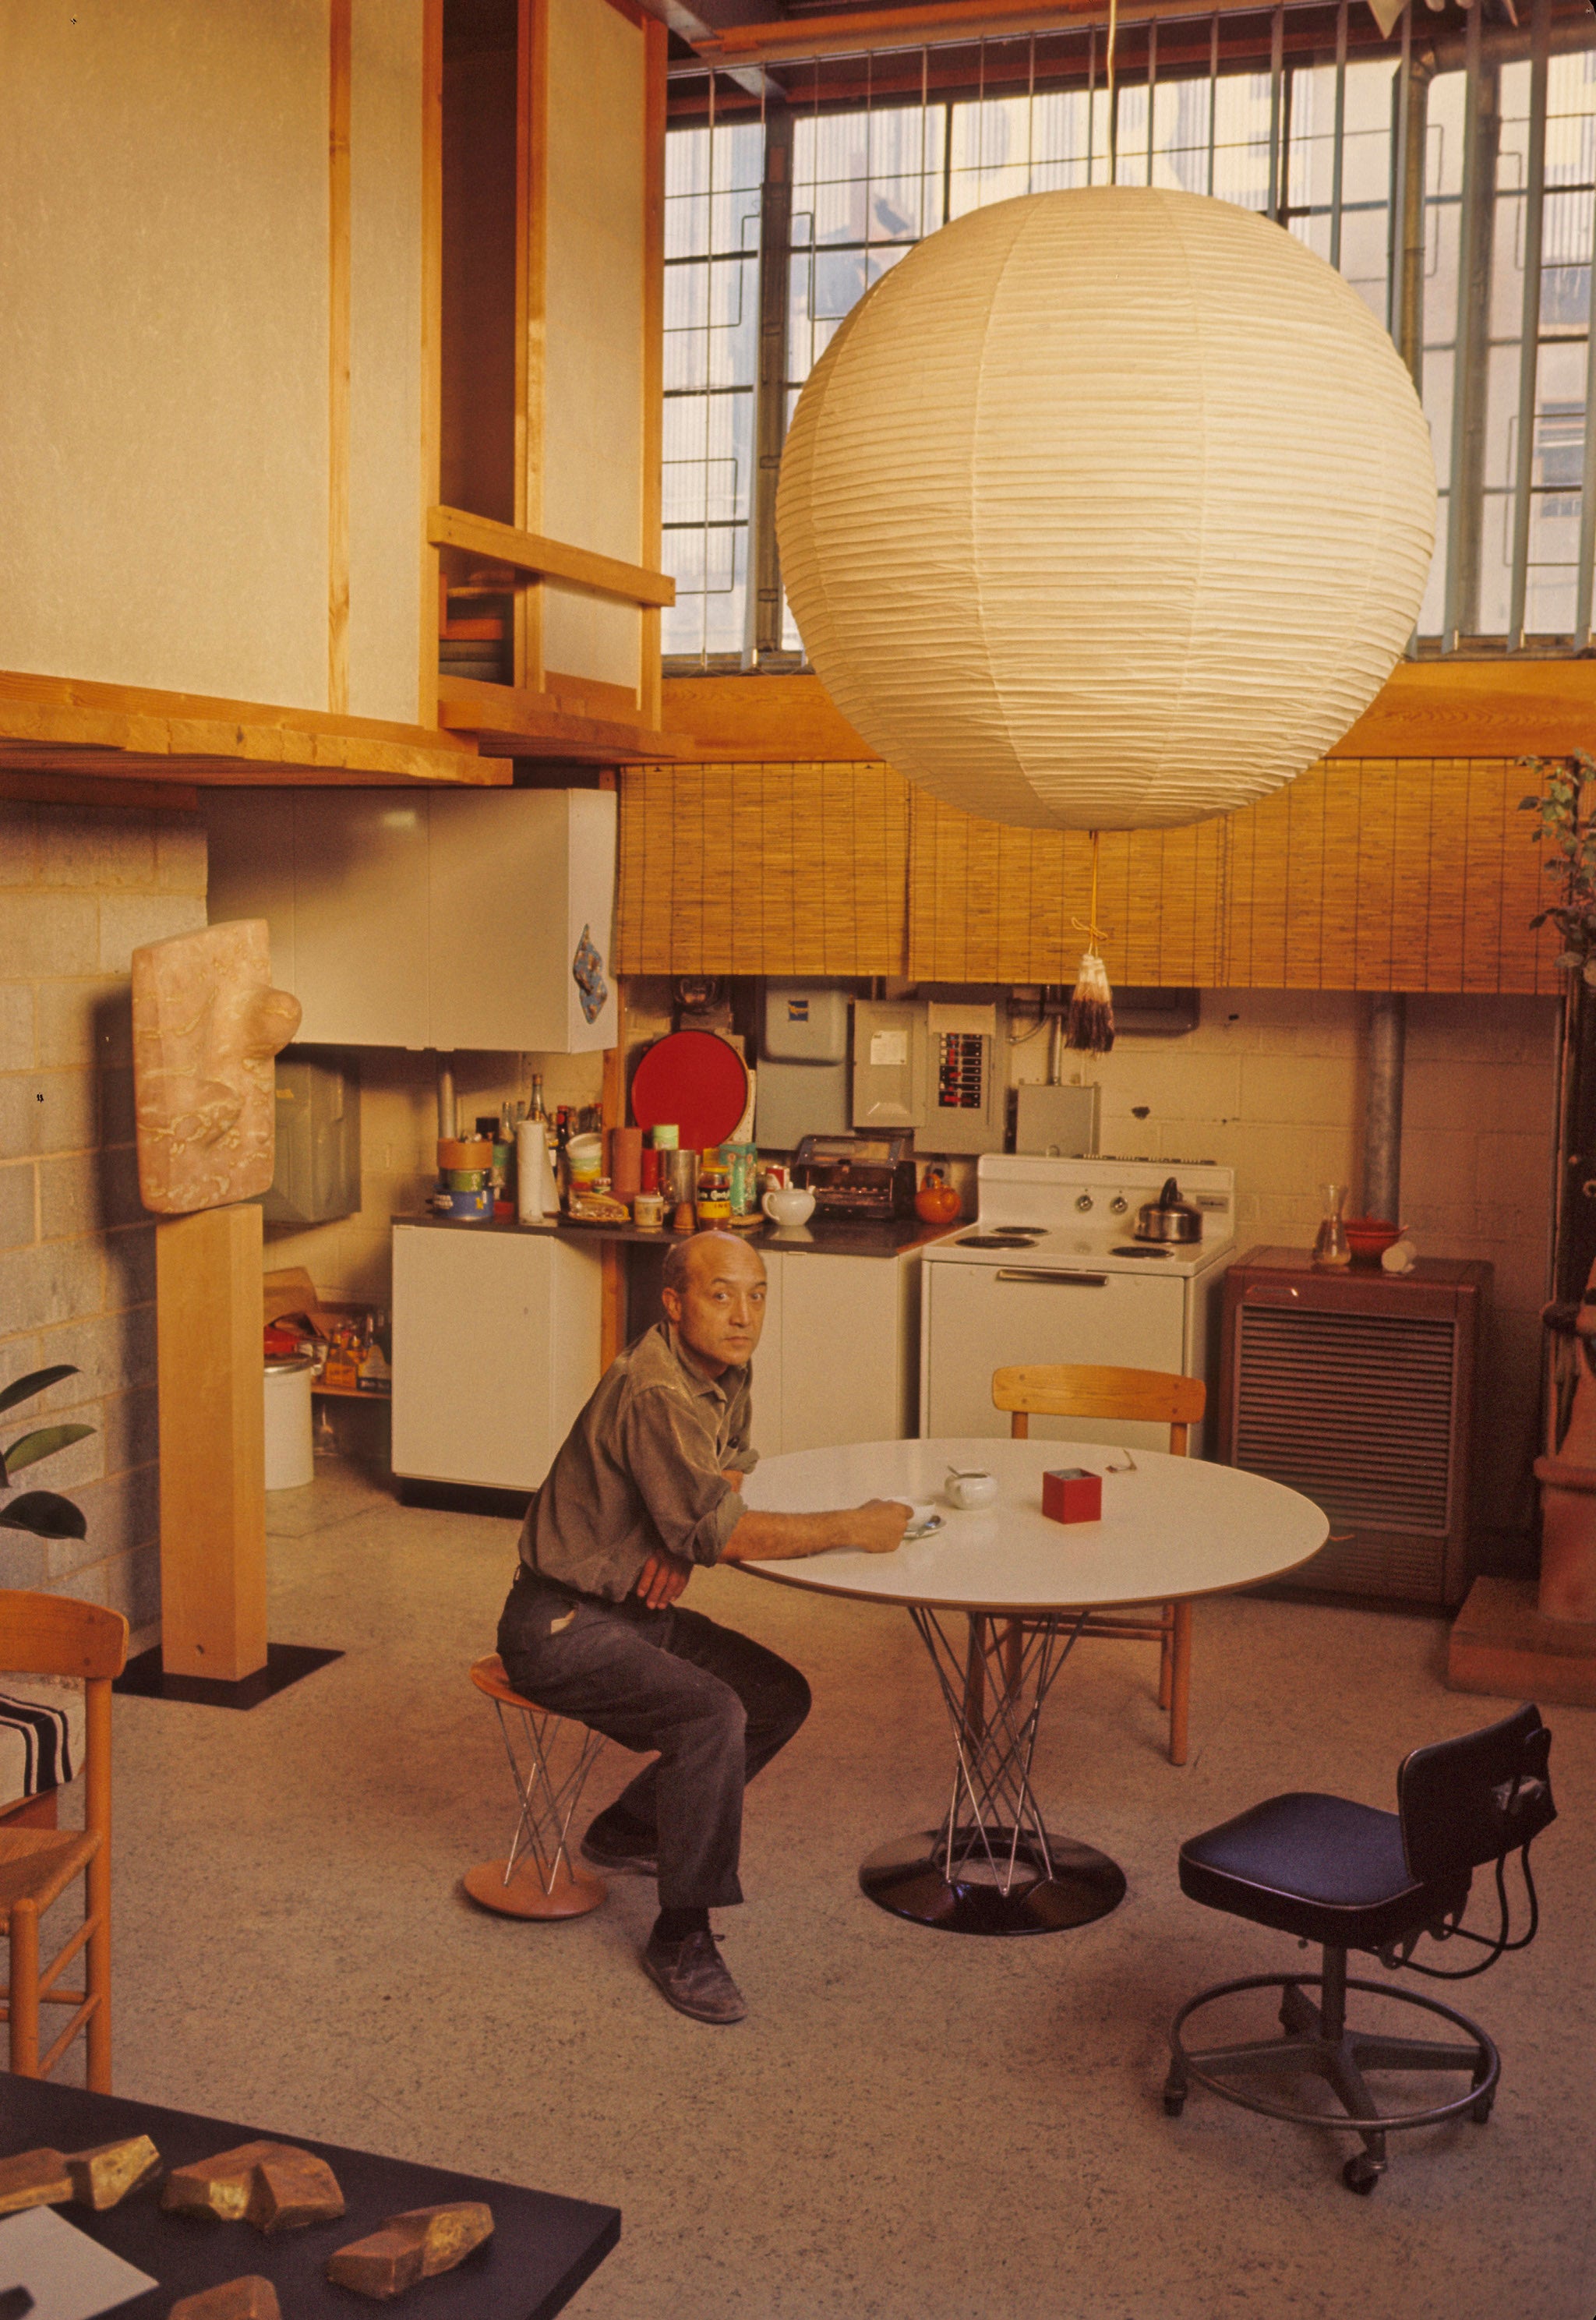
<point>794,1206</point>
<point>971,1489</point>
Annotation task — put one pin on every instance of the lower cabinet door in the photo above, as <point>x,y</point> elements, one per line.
<point>495,1350</point>
<point>843,1352</point>
<point>983,1318</point>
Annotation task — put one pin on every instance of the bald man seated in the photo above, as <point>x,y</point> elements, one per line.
<point>645,1489</point>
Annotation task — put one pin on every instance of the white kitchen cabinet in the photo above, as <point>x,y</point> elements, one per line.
<point>411,918</point>
<point>495,1350</point>
<point>838,1357</point>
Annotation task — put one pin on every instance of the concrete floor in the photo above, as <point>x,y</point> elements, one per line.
<point>909,2123</point>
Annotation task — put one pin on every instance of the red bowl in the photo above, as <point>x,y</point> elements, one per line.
<point>1369,1237</point>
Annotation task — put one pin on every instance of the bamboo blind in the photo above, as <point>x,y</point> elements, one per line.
<point>1410,874</point>
<point>762,870</point>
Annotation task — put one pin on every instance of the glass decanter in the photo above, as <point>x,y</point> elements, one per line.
<point>1330,1246</point>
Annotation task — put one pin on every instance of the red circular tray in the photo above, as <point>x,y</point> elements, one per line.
<point>697,1080</point>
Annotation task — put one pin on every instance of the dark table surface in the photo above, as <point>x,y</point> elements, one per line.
<point>542,2248</point>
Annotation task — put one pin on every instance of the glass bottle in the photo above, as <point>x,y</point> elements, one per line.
<point>1331,1248</point>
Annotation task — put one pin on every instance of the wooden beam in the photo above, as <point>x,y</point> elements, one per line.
<point>799,41</point>
<point>656,54</point>
<point>531,309</point>
<point>541,725</point>
<point>1478,709</point>
<point>430,351</point>
<point>1426,709</point>
<point>341,29</point>
<point>759,720</point>
<point>549,559</point>
<point>213,1443</point>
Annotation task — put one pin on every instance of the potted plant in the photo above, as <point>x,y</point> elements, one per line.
<point>43,1512</point>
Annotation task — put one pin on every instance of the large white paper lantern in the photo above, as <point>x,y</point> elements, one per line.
<point>1106,510</point>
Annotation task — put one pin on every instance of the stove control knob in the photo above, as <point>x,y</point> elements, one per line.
<point>1084,1201</point>
<point>1118,1205</point>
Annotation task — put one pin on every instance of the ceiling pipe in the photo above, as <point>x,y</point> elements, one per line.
<point>1382,1106</point>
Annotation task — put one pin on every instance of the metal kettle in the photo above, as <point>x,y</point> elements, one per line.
<point>1169,1218</point>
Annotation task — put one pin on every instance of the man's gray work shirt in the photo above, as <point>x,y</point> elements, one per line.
<point>643,1468</point>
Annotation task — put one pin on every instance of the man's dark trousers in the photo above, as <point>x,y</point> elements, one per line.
<point>715,1704</point>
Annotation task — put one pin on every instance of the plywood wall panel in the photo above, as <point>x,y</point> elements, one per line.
<point>1364,875</point>
<point>386,381</point>
<point>593,416</point>
<point>163,400</point>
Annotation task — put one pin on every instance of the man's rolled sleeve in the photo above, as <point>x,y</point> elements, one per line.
<point>671,1457</point>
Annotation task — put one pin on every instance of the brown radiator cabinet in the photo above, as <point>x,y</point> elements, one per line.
<point>1356,1387</point>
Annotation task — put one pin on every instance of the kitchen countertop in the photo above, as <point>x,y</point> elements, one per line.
<point>821,1237</point>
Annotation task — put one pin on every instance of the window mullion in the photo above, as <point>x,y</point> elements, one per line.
<point>770,407</point>
<point>1534,175</point>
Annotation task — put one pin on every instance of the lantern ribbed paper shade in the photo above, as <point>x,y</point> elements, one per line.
<point>1108,509</point>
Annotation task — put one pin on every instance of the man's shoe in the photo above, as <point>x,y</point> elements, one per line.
<point>692,1977</point>
<point>621,1857</point>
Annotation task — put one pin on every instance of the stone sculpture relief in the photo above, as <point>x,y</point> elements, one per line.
<point>207,1026</point>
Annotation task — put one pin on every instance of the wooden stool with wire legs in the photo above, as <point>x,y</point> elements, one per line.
<point>52,1635</point>
<point>549,1766</point>
<point>1069,1389</point>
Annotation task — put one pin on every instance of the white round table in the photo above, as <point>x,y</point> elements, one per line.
<point>1172,1528</point>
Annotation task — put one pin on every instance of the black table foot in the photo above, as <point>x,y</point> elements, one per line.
<point>907,1878</point>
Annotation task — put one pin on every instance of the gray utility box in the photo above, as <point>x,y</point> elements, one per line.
<point>939,1068</point>
<point>1059,1122</point>
<point>802,1083</point>
<point>318,1171</point>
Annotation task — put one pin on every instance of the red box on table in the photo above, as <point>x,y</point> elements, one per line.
<point>1071,1494</point>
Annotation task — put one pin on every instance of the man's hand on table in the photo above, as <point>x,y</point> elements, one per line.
<point>882,1523</point>
<point>662,1578</point>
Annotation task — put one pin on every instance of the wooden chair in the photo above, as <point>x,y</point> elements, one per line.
<point>1078,1390</point>
<point>51,1634</point>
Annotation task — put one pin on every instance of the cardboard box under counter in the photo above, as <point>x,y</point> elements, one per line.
<point>1071,1494</point>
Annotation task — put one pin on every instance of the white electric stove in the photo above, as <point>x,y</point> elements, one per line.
<point>1051,1272</point>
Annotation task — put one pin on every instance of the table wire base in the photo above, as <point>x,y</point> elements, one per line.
<point>550,1768</point>
<point>991,1867</point>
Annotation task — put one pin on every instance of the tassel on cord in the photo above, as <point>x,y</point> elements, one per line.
<point>1091,1027</point>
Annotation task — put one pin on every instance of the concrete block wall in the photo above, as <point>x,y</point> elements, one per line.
<point>80,888</point>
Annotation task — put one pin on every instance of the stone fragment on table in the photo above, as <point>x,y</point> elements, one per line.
<point>291,2189</point>
<point>33,2179</point>
<point>250,2298</point>
<point>416,2245</point>
<point>271,2185</point>
<point>103,2177</point>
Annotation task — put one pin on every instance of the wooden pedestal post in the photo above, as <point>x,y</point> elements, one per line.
<point>213,1443</point>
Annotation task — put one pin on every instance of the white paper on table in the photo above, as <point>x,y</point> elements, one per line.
<point>69,2276</point>
<point>922,1518</point>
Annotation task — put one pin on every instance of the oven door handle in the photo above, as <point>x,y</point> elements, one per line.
<point>1054,1279</point>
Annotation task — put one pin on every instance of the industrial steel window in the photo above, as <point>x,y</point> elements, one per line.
<point>1450,177</point>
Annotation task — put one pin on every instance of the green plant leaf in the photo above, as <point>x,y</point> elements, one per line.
<point>30,1447</point>
<point>36,1382</point>
<point>45,1515</point>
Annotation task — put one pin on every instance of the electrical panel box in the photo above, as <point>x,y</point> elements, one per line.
<point>804,1023</point>
<point>968,1079</point>
<point>1058,1122</point>
<point>318,1134</point>
<point>889,1065</point>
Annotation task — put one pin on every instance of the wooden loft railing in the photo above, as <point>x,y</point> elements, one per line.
<point>68,736</point>
<point>551,714</point>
